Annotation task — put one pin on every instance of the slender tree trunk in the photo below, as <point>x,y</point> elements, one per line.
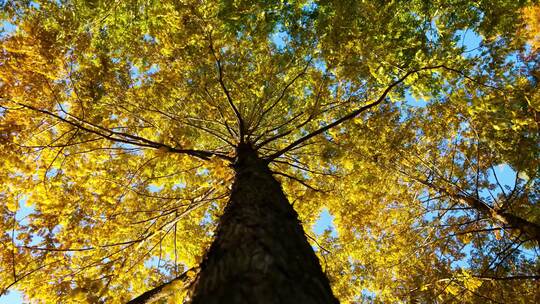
<point>260,253</point>
<point>529,229</point>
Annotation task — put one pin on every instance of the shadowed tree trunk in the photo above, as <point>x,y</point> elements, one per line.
<point>260,253</point>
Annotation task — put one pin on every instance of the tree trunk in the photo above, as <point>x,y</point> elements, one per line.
<point>529,229</point>
<point>260,253</point>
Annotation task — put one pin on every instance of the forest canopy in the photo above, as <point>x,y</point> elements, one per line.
<point>124,127</point>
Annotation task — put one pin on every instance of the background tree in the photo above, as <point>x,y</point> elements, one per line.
<point>125,125</point>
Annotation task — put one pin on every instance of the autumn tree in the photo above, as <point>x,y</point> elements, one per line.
<point>182,151</point>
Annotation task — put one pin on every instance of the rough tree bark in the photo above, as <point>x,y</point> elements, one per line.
<point>260,253</point>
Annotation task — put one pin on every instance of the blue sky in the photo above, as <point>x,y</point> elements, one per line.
<point>6,28</point>
<point>13,297</point>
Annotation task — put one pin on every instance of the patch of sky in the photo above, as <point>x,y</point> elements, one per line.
<point>202,172</point>
<point>154,68</point>
<point>470,41</point>
<point>35,5</point>
<point>149,38</point>
<point>280,37</point>
<point>367,294</point>
<point>463,262</point>
<point>154,188</point>
<point>309,7</point>
<point>414,102</point>
<point>155,262</point>
<point>513,58</point>
<point>23,217</point>
<point>62,109</point>
<point>505,180</point>
<point>501,174</point>
<point>52,172</point>
<point>504,174</point>
<point>24,211</point>
<point>432,33</point>
<point>135,74</point>
<point>13,296</point>
<point>516,61</point>
<point>325,222</point>
<point>152,262</point>
<point>128,148</point>
<point>179,185</point>
<point>57,229</point>
<point>208,217</point>
<point>320,65</point>
<point>7,28</point>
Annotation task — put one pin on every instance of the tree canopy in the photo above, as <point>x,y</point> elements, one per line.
<point>413,123</point>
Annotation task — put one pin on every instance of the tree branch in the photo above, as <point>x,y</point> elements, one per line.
<point>509,278</point>
<point>159,292</point>
<point>126,138</point>
<point>241,127</point>
<point>297,180</point>
<point>349,116</point>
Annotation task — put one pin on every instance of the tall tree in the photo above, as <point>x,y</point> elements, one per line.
<point>183,151</point>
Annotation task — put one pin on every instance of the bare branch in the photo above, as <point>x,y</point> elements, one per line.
<point>241,127</point>
<point>351,115</point>
<point>156,293</point>
<point>126,138</point>
<point>297,180</point>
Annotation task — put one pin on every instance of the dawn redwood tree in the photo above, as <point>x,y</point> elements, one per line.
<point>181,151</point>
